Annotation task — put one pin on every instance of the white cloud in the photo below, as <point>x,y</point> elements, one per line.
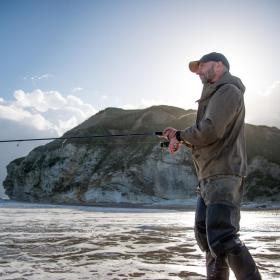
<point>38,78</point>
<point>77,89</point>
<point>152,102</point>
<point>39,100</point>
<point>67,125</point>
<point>14,113</point>
<point>74,100</point>
<point>144,103</point>
<point>45,76</point>
<point>272,89</point>
<point>180,102</point>
<point>46,110</point>
<point>130,107</point>
<point>263,109</point>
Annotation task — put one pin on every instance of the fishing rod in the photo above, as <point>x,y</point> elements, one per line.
<point>157,133</point>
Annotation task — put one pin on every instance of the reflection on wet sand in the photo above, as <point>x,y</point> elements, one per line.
<point>49,242</point>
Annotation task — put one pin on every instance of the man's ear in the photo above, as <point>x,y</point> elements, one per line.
<point>219,65</point>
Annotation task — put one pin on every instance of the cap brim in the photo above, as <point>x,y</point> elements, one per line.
<point>193,65</point>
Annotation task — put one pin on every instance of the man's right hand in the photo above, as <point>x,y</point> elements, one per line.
<point>170,134</point>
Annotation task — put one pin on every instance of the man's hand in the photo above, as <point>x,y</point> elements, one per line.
<point>170,134</point>
<point>174,145</point>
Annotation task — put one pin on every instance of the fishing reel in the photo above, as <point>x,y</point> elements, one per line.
<point>164,144</point>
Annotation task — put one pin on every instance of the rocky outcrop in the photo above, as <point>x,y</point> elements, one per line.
<point>263,180</point>
<point>134,170</point>
<point>121,169</point>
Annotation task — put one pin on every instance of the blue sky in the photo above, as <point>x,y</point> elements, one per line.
<point>119,52</point>
<point>64,60</point>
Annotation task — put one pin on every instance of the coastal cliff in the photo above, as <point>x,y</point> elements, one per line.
<point>131,169</point>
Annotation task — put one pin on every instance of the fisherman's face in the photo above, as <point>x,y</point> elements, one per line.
<point>206,71</point>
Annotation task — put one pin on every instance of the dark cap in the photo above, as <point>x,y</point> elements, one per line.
<point>213,56</point>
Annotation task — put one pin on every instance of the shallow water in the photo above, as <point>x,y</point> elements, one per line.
<point>72,242</point>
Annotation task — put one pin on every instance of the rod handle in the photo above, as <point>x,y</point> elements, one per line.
<point>159,133</point>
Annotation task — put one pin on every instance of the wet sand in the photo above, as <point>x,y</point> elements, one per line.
<point>71,242</point>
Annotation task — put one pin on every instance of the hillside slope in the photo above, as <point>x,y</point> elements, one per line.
<point>131,169</point>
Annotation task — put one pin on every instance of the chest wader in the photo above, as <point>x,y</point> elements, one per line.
<point>216,229</point>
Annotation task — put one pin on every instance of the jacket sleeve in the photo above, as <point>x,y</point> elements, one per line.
<point>221,110</point>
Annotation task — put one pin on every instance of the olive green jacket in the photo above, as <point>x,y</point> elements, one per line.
<point>217,137</point>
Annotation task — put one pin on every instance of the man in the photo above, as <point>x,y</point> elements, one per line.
<point>218,149</point>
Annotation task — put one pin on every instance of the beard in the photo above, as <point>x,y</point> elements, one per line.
<point>208,76</point>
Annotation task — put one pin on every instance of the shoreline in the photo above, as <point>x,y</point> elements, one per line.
<point>182,205</point>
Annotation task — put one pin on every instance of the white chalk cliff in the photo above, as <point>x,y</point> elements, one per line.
<point>119,169</point>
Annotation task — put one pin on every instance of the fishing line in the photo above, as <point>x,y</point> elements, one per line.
<point>157,133</point>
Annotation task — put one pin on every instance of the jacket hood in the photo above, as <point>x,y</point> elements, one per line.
<point>227,78</point>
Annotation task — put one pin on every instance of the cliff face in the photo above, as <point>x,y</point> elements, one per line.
<point>121,169</point>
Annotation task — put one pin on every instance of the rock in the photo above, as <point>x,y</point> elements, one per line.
<point>134,170</point>
<point>119,169</point>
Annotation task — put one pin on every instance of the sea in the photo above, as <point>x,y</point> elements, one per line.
<point>59,242</point>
